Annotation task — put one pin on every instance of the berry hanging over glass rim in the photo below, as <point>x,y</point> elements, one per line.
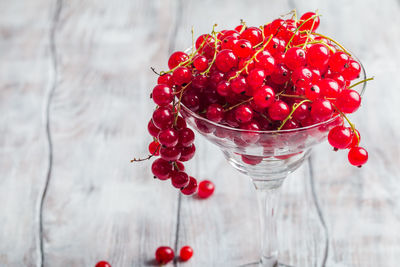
<point>282,76</point>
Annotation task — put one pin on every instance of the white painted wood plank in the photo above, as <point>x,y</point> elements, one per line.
<point>99,205</point>
<point>24,78</point>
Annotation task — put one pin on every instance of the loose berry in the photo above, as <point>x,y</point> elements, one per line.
<point>206,189</point>
<point>186,253</point>
<point>164,255</point>
<point>103,264</point>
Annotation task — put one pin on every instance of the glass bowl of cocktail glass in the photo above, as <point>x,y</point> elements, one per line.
<point>267,157</point>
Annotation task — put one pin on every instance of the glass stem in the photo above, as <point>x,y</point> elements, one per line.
<point>268,197</point>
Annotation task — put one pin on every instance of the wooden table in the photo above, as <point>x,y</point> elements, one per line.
<point>74,84</point>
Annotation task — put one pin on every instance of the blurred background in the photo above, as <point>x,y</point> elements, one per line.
<point>75,81</point>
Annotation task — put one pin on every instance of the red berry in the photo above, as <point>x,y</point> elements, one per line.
<point>313,92</point>
<point>191,188</point>
<point>256,78</point>
<point>302,111</point>
<point>154,148</point>
<point>329,88</point>
<point>162,117</point>
<point>204,40</point>
<point>251,160</point>
<point>352,70</point>
<point>357,156</point>
<point>187,153</point>
<point>223,88</point>
<point>200,63</point>
<point>161,169</point>
<point>186,253</point>
<point>280,75</point>
<point>166,79</point>
<point>178,166</point>
<point>179,179</point>
<point>181,76</point>
<point>226,60</point>
<point>295,57</point>
<point>239,85</point>
<point>253,34</point>
<point>243,113</point>
<point>242,48</point>
<point>310,24</point>
<point>170,153</point>
<point>338,61</point>
<point>340,137</point>
<point>321,110</point>
<point>318,56</point>
<point>215,113</point>
<point>278,111</point>
<point>153,130</point>
<point>354,141</point>
<point>168,137</point>
<point>264,97</point>
<point>302,77</point>
<point>164,255</point>
<point>186,137</point>
<point>176,58</point>
<point>348,101</point>
<point>206,189</point>
<point>265,61</point>
<point>103,264</point>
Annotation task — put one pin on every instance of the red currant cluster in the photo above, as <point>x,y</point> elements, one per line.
<point>280,76</point>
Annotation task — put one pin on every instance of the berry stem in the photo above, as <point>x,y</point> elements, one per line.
<point>332,40</point>
<point>308,32</point>
<point>297,29</point>
<point>244,26</point>
<point>179,102</point>
<point>293,96</point>
<point>295,106</point>
<point>352,126</point>
<point>148,157</point>
<point>251,59</point>
<point>360,82</point>
<point>154,70</point>
<point>215,52</point>
<point>238,104</point>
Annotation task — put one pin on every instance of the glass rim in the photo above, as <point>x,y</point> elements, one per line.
<point>301,129</point>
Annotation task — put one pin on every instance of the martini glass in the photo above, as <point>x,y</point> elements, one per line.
<point>267,157</point>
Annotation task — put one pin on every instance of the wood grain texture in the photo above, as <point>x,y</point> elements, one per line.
<point>25,74</point>
<point>88,63</point>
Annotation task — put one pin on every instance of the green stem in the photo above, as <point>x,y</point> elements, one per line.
<point>360,82</point>
<point>238,104</point>
<point>352,126</point>
<point>215,52</point>
<point>332,40</point>
<point>297,29</point>
<point>295,106</point>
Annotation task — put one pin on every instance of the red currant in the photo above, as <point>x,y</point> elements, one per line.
<point>154,148</point>
<point>170,153</point>
<point>191,188</point>
<point>226,60</point>
<point>162,117</point>
<point>310,24</point>
<point>295,57</point>
<point>340,137</point>
<point>176,58</point>
<point>200,63</point>
<point>182,76</point>
<point>264,97</point>
<point>318,56</point>
<point>243,113</point>
<point>357,156</point>
<point>179,179</point>
<point>338,61</point>
<point>278,111</point>
<point>206,189</point>
<point>103,264</point>
<point>348,101</point>
<point>186,253</point>
<point>164,255</point>
<point>187,153</point>
<point>321,110</point>
<point>161,169</point>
